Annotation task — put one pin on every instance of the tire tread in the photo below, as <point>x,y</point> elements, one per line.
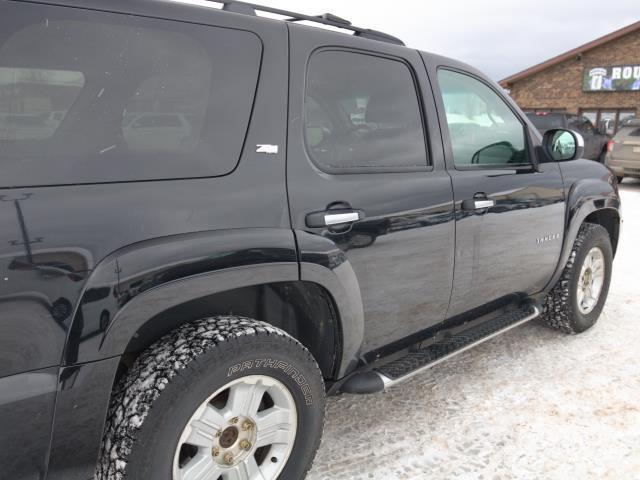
<point>136,392</point>
<point>558,312</point>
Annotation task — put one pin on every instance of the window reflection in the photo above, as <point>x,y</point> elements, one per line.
<point>34,102</point>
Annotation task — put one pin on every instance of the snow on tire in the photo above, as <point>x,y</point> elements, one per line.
<point>561,309</point>
<point>156,398</point>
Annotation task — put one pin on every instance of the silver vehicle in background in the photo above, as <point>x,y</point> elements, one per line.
<point>623,156</point>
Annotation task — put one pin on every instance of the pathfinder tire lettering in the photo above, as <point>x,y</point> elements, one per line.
<point>288,369</point>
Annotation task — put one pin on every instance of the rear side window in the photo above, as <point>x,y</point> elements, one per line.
<point>362,114</point>
<point>96,97</point>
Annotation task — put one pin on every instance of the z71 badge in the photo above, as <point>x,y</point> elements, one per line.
<point>266,148</point>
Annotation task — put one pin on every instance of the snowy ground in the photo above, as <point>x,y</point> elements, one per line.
<point>530,404</point>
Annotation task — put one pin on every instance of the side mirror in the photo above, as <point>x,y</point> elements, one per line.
<point>562,145</point>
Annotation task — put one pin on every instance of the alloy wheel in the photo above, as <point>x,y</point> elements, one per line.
<point>591,280</point>
<point>245,431</point>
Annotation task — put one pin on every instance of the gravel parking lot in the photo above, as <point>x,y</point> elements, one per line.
<point>529,404</point>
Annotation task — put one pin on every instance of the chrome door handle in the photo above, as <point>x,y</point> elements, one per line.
<point>338,218</point>
<point>484,204</point>
<point>330,218</point>
<point>478,204</point>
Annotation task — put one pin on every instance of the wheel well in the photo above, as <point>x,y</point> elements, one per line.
<point>304,310</point>
<point>610,220</point>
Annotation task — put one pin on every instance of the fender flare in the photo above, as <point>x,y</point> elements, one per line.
<point>585,197</point>
<point>132,285</point>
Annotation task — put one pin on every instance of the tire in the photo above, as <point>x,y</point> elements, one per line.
<point>563,309</point>
<point>620,178</point>
<point>188,375</point>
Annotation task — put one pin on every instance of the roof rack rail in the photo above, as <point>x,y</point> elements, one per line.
<point>324,19</point>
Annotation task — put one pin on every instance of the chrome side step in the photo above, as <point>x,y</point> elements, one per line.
<point>418,361</point>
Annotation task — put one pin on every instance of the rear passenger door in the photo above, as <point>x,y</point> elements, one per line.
<point>368,190</point>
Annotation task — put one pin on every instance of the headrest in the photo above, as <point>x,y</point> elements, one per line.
<point>390,108</point>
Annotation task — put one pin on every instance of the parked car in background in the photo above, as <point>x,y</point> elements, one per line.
<point>23,127</point>
<point>54,118</point>
<point>152,131</point>
<point>595,140</point>
<point>623,156</point>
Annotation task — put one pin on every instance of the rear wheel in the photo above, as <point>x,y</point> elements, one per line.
<point>223,398</point>
<point>577,300</point>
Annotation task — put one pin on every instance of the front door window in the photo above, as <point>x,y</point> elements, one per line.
<point>483,130</point>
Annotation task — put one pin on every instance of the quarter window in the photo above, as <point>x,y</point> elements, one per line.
<point>482,128</point>
<point>89,97</point>
<point>362,114</point>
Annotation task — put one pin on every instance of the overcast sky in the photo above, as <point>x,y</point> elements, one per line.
<point>500,37</point>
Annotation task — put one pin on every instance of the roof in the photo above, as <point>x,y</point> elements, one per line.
<point>634,27</point>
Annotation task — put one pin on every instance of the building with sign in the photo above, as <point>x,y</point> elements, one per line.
<point>600,80</point>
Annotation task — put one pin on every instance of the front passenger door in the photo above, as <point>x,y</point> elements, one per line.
<point>509,215</point>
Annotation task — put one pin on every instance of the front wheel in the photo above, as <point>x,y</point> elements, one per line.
<point>577,300</point>
<point>224,398</point>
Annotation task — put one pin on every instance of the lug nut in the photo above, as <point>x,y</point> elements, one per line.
<point>245,445</point>
<point>219,433</point>
<point>228,458</point>
<point>247,425</point>
<point>215,452</point>
<point>234,420</point>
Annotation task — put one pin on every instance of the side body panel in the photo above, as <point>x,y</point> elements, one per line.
<point>26,408</point>
<point>83,395</point>
<point>514,246</point>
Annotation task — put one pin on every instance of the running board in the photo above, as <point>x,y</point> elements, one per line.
<point>418,361</point>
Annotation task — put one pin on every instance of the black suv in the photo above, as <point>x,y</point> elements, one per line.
<point>210,220</point>
<point>595,140</point>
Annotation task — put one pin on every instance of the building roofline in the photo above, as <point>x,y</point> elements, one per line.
<point>505,82</point>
